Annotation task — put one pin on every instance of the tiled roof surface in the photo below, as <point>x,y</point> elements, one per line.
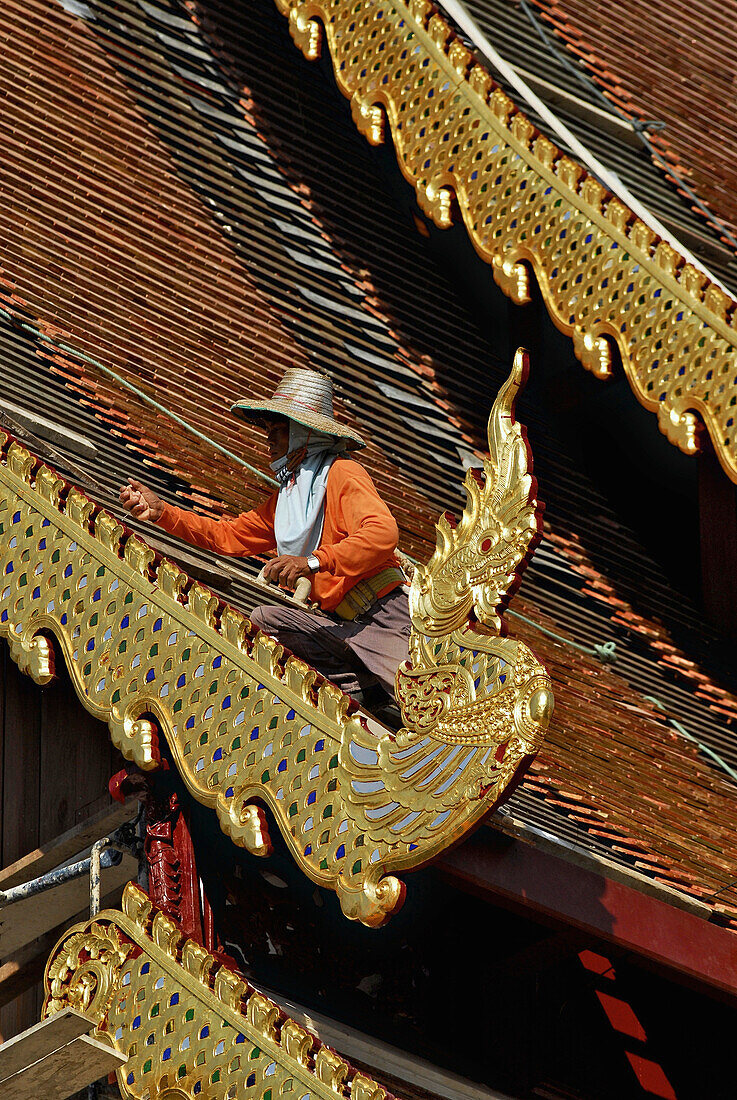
<point>187,201</point>
<point>673,63</point>
<point>650,61</point>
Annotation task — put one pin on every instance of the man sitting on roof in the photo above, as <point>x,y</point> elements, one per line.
<point>327,522</point>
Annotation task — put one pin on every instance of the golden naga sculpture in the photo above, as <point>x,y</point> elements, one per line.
<point>150,651</point>
<point>605,276</point>
<point>189,1025</point>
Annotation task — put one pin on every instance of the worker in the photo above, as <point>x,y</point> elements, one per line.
<point>326,522</point>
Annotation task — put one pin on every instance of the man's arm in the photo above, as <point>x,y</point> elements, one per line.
<point>249,533</point>
<point>372,530</point>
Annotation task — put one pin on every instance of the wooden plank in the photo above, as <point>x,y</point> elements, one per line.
<point>25,968</point>
<point>21,763</point>
<point>16,1015</point>
<point>406,1069</point>
<point>42,1039</point>
<point>62,848</point>
<point>74,759</point>
<point>50,430</point>
<point>21,986</point>
<point>24,921</point>
<point>65,1071</point>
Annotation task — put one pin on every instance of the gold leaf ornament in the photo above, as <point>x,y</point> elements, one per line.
<point>189,1025</point>
<point>84,973</point>
<point>475,705</point>
<point>247,730</point>
<point>476,562</point>
<point>603,274</point>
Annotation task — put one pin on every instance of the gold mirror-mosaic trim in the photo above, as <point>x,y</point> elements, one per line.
<point>150,651</point>
<point>189,1026</point>
<point>604,275</point>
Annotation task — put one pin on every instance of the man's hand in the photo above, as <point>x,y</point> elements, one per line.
<point>140,501</point>
<point>286,570</point>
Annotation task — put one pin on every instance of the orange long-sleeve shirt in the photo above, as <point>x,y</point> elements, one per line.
<point>359,535</point>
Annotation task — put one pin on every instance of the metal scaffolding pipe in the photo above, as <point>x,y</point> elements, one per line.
<point>109,858</point>
<point>100,849</point>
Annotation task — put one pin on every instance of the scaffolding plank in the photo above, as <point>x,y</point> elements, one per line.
<point>63,1071</point>
<point>24,921</point>
<point>26,966</point>
<point>41,1040</point>
<point>63,847</point>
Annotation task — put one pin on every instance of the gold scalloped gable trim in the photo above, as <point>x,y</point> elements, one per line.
<point>604,275</point>
<point>150,651</point>
<point>189,1025</point>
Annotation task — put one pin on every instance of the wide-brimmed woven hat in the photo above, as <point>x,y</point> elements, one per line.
<point>306,396</point>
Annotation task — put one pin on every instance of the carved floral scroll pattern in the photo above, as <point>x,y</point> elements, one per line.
<point>189,1026</point>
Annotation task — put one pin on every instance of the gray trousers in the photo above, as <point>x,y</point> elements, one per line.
<point>353,655</point>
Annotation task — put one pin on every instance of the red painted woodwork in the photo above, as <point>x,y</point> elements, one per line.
<point>686,944</point>
<point>172,870</point>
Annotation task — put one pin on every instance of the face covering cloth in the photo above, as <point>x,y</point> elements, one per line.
<point>300,505</point>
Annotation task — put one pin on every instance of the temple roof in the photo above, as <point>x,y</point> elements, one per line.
<point>603,84</point>
<point>610,274</point>
<point>204,223</point>
<point>673,65</point>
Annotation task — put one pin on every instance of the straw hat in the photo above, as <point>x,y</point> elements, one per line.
<point>305,396</point>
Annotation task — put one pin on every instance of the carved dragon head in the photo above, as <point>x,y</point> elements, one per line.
<point>478,561</point>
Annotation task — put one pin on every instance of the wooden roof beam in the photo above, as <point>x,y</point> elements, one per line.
<point>523,877</point>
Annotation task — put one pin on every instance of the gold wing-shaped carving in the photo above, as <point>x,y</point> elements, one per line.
<point>475,706</point>
<point>471,726</point>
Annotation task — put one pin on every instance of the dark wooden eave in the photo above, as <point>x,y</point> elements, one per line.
<point>522,876</point>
